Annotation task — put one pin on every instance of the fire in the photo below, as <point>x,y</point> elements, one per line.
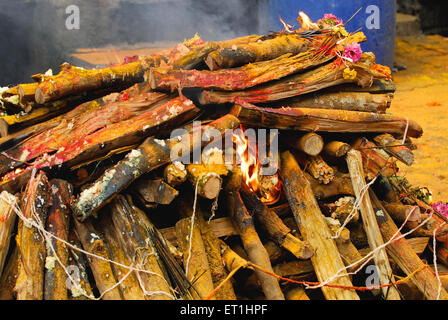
<point>306,22</point>
<point>287,27</point>
<point>269,188</point>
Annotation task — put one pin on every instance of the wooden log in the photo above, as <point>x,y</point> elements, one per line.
<point>31,245</point>
<point>342,209</point>
<point>418,245</point>
<point>269,188</point>
<point>80,263</point>
<point>323,120</point>
<point>297,293</point>
<point>58,223</point>
<point>9,276</point>
<point>350,101</point>
<point>253,246</point>
<point>151,154</point>
<point>257,51</point>
<point>241,78</point>
<point>401,252</point>
<point>310,143</point>
<point>355,167</point>
<point>336,149</point>
<point>375,161</point>
<point>87,142</point>
<point>432,225</point>
<point>401,212</point>
<point>211,244</point>
<point>317,79</point>
<point>155,191</point>
<point>132,232</point>
<point>175,173</point>
<point>319,169</point>
<point>130,287</point>
<point>395,148</point>
<point>275,227</point>
<point>7,222</point>
<point>326,259</point>
<point>340,186</point>
<point>208,182</point>
<point>349,253</point>
<point>73,80</point>
<point>195,259</point>
<point>101,269</point>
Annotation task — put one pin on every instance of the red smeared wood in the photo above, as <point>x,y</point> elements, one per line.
<point>322,120</point>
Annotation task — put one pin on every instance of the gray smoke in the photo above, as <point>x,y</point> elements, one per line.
<point>34,37</point>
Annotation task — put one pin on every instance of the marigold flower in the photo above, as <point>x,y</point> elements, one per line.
<point>349,74</point>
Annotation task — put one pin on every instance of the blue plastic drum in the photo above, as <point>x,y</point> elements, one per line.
<point>376,19</point>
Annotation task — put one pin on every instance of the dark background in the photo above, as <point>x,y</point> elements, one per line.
<point>33,36</point>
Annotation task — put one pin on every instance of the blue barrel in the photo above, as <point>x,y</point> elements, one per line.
<point>376,18</point>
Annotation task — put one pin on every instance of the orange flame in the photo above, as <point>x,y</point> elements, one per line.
<point>306,22</point>
<point>287,27</point>
<point>250,168</point>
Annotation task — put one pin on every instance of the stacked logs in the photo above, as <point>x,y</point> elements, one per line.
<point>111,190</point>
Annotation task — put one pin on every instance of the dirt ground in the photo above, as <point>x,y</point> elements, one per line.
<point>422,95</point>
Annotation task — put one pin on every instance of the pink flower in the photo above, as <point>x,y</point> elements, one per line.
<point>353,51</point>
<point>330,16</point>
<point>441,208</point>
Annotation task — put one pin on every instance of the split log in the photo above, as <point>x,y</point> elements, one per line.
<point>294,268</point>
<point>323,120</point>
<point>317,79</point>
<point>241,78</point>
<point>101,268</point>
<point>9,276</point>
<point>336,149</point>
<point>73,80</point>
<point>275,227</point>
<point>395,148</point>
<point>326,259</point>
<point>432,225</point>
<point>355,167</point>
<point>418,245</point>
<point>132,231</point>
<point>129,287</point>
<point>319,169</point>
<point>100,136</point>
<point>350,101</point>
<point>80,263</point>
<point>175,173</point>
<point>401,252</point>
<point>152,154</point>
<point>212,246</point>
<point>31,245</point>
<point>310,143</point>
<point>297,293</point>
<point>155,191</point>
<point>375,160</point>
<point>7,222</point>
<point>58,223</point>
<point>252,244</point>
<point>340,186</point>
<point>358,235</point>
<point>268,49</point>
<point>195,259</point>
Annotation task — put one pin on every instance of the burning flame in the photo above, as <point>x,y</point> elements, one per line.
<point>306,22</point>
<point>250,168</point>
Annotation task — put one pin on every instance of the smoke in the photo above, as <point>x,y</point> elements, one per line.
<point>34,36</point>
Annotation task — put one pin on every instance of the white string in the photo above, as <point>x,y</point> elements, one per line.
<point>434,240</point>
<point>47,235</point>
<point>372,253</point>
<point>191,227</point>
<point>356,206</point>
<point>405,131</point>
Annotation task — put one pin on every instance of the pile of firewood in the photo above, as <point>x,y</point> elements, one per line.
<point>98,199</point>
